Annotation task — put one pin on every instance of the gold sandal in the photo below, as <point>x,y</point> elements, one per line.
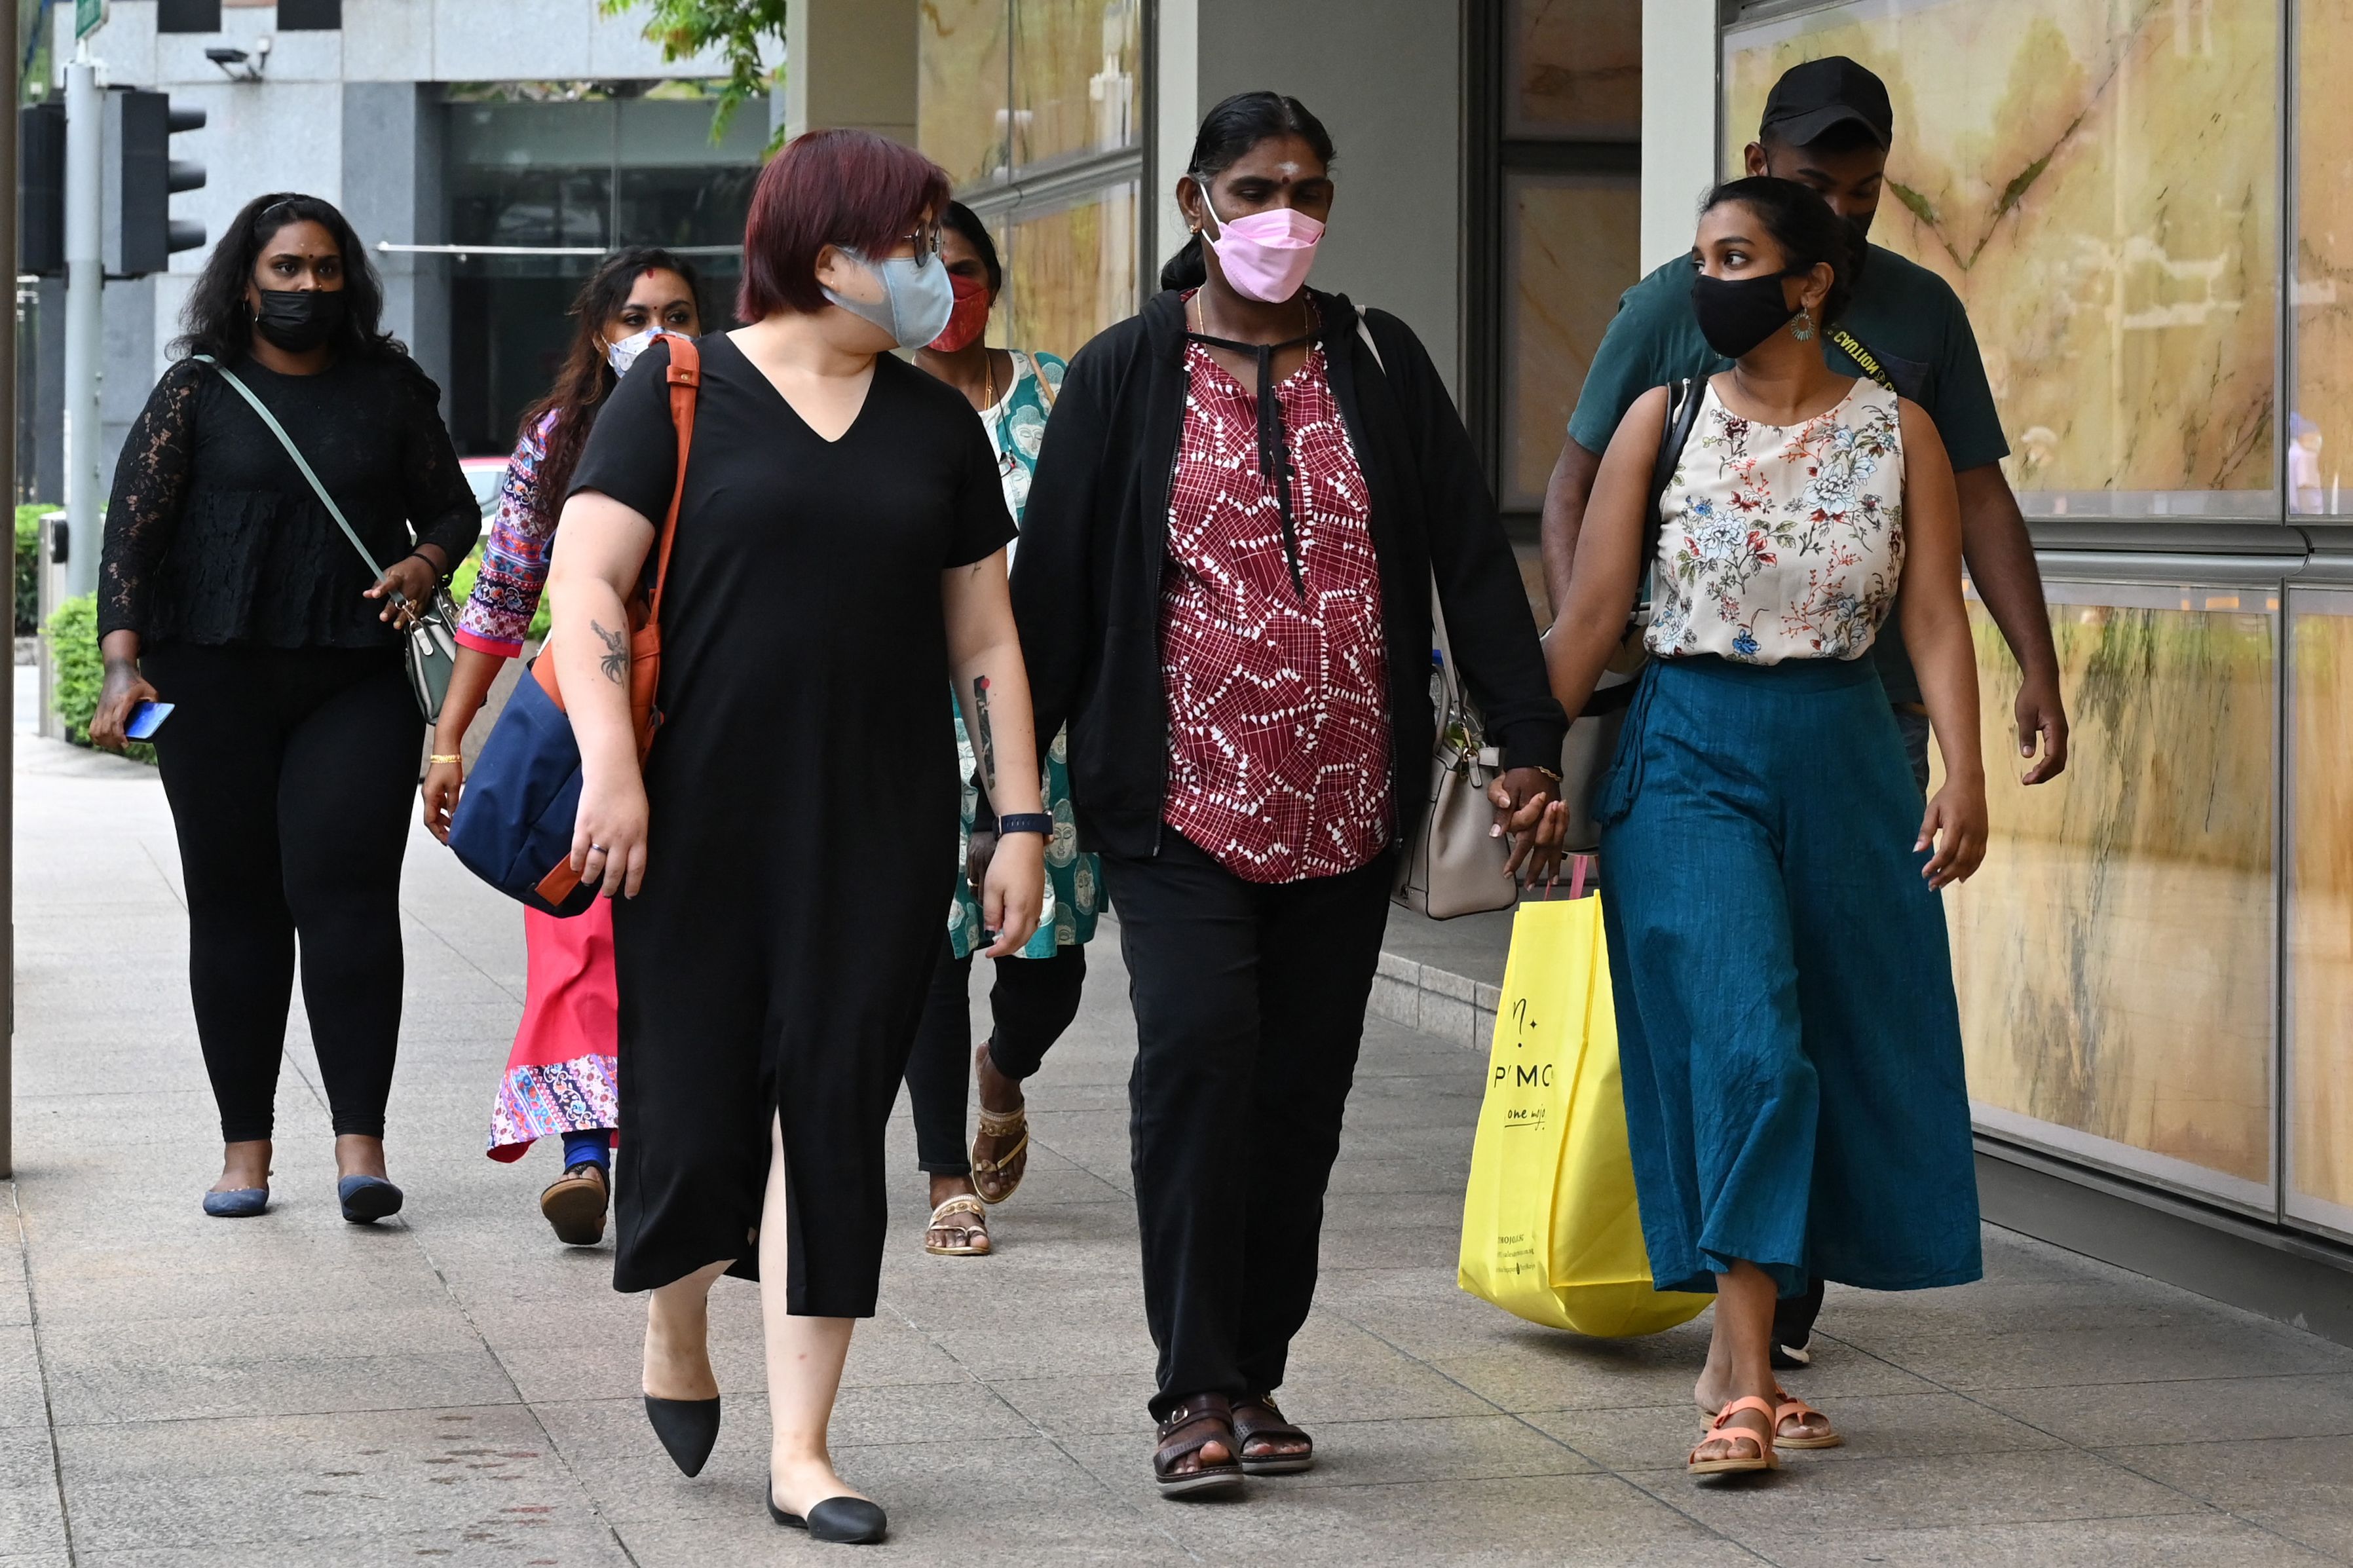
<point>1009,1167</point>
<point>961,1204</point>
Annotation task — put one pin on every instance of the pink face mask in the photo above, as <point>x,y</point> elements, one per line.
<point>1265,256</point>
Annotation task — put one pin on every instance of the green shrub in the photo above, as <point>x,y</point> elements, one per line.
<point>29,566</point>
<point>78,670</point>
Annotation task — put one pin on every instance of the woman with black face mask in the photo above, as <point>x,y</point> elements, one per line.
<point>228,590</point>
<point>1788,1036</point>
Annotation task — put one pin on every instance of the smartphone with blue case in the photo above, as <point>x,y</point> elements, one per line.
<point>145,720</point>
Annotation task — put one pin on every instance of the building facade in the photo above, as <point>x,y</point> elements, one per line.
<point>539,132</point>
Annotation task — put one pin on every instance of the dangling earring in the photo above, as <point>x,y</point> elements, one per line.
<point>1802,329</point>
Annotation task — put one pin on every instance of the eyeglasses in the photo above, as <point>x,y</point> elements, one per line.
<point>925,239</point>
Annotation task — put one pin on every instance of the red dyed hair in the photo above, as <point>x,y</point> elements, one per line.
<point>848,188</point>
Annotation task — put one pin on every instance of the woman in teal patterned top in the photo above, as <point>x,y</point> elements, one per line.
<point>1035,995</point>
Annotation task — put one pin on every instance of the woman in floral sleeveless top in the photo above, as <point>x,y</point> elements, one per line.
<point>1787,1034</point>
<point>1035,995</point>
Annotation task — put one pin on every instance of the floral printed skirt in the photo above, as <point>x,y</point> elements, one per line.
<point>560,1075</point>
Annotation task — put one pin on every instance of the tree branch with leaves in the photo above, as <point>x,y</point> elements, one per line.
<point>733,29</point>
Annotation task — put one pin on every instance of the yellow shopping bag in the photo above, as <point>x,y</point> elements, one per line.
<point>1550,1230</point>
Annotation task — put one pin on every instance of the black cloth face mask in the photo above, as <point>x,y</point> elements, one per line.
<point>300,319</point>
<point>1735,314</point>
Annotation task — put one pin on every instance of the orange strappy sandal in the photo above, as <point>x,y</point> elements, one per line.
<point>1786,1407</point>
<point>1721,1430</point>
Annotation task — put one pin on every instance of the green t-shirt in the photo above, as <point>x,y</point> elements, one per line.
<point>1907,316</point>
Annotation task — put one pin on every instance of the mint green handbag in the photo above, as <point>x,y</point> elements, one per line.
<point>431,641</point>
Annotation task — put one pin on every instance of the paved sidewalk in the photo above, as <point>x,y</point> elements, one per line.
<point>453,1388</point>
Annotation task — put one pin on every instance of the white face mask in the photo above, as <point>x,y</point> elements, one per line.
<point>623,354</point>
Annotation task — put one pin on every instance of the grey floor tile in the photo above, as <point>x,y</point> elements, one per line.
<point>207,1484</point>
<point>2265,1473</point>
<point>2203,1410</point>
<point>2205,1540</point>
<point>1805,1497</point>
<point>106,1392</point>
<point>2098,1353</point>
<point>1897,1425</point>
<point>31,1521</point>
<point>495,1541</point>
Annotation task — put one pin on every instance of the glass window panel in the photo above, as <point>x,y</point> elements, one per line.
<point>2320,418</point>
<point>1075,85</point>
<point>962,116</point>
<point>2099,183</point>
<point>1570,248</point>
<point>2114,955</point>
<point>2320,912</point>
<point>1070,272</point>
<point>1574,70</point>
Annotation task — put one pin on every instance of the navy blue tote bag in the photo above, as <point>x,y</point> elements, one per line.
<point>513,824</point>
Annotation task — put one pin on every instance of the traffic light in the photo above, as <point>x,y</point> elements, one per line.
<point>41,190</point>
<point>140,234</point>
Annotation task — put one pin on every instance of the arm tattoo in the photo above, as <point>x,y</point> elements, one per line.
<point>988,741</point>
<point>615,660</point>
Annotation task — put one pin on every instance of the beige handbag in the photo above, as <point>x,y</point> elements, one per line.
<point>1455,865</point>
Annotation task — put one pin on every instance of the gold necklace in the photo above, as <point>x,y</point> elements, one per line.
<point>988,382</point>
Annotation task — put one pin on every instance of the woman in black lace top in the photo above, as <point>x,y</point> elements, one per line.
<point>227,590</point>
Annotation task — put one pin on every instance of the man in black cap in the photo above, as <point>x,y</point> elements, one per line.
<point>1827,125</point>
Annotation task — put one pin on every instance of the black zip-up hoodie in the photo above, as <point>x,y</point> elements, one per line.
<point>1094,536</point>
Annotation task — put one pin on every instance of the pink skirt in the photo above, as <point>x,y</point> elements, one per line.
<point>560,1075</point>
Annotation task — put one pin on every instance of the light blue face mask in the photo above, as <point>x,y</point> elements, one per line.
<point>917,297</point>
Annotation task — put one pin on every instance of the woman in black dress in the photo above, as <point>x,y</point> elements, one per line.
<point>784,854</point>
<point>227,590</point>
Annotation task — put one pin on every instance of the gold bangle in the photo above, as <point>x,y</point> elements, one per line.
<point>437,757</point>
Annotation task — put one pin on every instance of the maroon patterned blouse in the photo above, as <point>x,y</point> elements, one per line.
<point>1278,704</point>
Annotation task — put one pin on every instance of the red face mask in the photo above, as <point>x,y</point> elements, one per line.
<point>969,319</point>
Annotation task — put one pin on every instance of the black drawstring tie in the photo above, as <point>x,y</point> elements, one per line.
<point>1273,442</point>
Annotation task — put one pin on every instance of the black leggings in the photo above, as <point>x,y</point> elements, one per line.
<point>290,772</point>
<point>1031,1001</point>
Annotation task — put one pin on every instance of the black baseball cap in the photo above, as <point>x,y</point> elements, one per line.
<point>1810,98</point>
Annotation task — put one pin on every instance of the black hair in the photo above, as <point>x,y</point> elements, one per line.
<point>215,321</point>
<point>585,378</point>
<point>965,222</point>
<point>1227,133</point>
<point>1846,136</point>
<point>1802,225</point>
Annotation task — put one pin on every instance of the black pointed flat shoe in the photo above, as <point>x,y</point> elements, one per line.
<point>846,1520</point>
<point>687,1429</point>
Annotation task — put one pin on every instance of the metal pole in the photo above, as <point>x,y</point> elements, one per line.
<point>85,330</point>
<point>8,607</point>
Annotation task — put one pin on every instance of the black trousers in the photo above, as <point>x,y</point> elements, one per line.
<point>1030,1001</point>
<point>291,774</point>
<point>1249,1006</point>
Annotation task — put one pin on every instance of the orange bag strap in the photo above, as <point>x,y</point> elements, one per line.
<point>685,380</point>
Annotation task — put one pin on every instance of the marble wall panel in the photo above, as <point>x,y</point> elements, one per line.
<point>1570,248</point>
<point>962,89</point>
<point>2320,909</point>
<point>1077,77</point>
<point>1070,273</point>
<point>2099,181</point>
<point>2113,956</point>
<point>1574,69</point>
<point>2323,289</point>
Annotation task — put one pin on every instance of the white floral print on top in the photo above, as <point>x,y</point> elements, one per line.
<point>1782,541</point>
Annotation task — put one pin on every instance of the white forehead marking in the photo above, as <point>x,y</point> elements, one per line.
<point>1287,169</point>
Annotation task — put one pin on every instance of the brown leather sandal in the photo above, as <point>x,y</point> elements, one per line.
<point>1204,1419</point>
<point>1256,1420</point>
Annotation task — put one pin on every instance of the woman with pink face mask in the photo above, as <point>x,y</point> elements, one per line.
<point>1224,589</point>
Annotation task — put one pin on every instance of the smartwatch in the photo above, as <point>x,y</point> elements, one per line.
<point>1038,821</point>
